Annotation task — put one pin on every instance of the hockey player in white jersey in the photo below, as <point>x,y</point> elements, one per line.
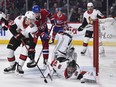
<point>64,62</point>
<point>88,17</point>
<point>67,68</point>
<point>23,29</point>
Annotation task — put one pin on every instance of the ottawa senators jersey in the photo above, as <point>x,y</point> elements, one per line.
<point>24,29</point>
<point>89,17</point>
<point>60,20</point>
<point>42,22</point>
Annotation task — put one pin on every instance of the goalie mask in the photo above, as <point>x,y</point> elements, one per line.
<point>71,68</point>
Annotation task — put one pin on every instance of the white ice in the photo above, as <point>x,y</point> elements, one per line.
<point>31,77</point>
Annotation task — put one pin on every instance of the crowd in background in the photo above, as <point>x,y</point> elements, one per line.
<point>76,7</point>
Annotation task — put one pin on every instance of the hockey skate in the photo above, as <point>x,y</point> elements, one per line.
<point>31,64</point>
<point>10,68</point>
<point>19,69</point>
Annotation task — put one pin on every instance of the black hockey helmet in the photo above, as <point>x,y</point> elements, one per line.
<point>72,63</point>
<point>71,68</point>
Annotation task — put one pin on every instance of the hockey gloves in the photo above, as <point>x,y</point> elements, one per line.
<point>80,28</point>
<point>53,22</point>
<point>45,36</point>
<point>19,37</point>
<point>4,24</point>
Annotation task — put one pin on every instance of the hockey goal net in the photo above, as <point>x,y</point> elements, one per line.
<point>105,35</point>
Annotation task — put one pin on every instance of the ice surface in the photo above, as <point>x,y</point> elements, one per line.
<point>31,78</point>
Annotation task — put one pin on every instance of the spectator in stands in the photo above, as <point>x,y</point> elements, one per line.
<point>97,4</point>
<point>113,10</point>
<point>53,9</point>
<point>76,14</point>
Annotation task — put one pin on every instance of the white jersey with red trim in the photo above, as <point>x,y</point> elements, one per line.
<point>24,29</point>
<point>60,68</point>
<point>89,17</point>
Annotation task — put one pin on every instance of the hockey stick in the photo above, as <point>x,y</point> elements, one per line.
<point>45,80</point>
<point>43,46</point>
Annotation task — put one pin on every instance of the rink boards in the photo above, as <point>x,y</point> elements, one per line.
<point>108,35</point>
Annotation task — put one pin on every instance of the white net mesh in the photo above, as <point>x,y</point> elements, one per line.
<point>107,63</point>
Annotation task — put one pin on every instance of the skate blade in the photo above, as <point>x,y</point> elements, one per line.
<point>88,81</point>
<point>10,72</point>
<point>19,74</point>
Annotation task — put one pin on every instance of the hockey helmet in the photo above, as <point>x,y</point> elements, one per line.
<point>71,68</point>
<point>30,15</point>
<point>36,9</point>
<point>90,4</point>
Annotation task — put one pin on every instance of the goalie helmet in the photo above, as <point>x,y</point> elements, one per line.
<point>71,68</point>
<point>30,15</point>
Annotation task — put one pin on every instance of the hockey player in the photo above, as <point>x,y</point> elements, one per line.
<point>64,59</point>
<point>41,21</point>
<point>88,17</point>
<point>23,29</point>
<point>61,21</point>
<point>68,68</point>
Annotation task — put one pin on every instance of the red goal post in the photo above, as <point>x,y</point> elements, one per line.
<point>96,25</point>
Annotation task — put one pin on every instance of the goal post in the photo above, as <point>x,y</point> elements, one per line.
<point>96,46</point>
<point>104,29</point>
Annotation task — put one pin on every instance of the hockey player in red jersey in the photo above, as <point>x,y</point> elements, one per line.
<point>41,21</point>
<point>61,21</point>
<point>88,17</point>
<point>23,29</point>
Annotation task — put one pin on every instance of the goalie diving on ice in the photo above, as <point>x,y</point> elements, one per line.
<point>64,61</point>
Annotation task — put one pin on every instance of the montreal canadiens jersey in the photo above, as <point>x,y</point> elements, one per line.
<point>24,29</point>
<point>42,22</point>
<point>60,19</point>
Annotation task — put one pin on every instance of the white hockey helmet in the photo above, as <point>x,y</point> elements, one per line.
<point>90,4</point>
<point>2,15</point>
<point>30,15</point>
